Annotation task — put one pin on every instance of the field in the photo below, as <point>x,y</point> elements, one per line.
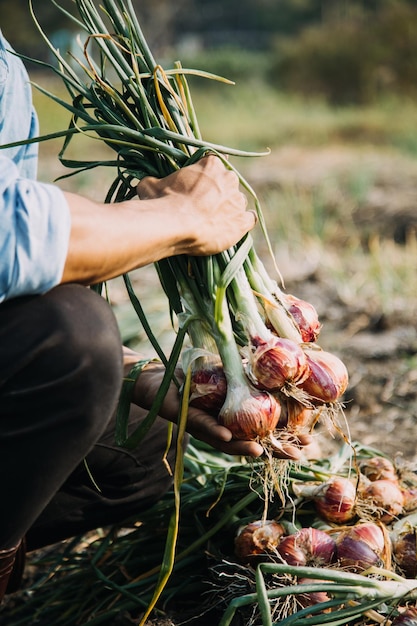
<point>339,192</point>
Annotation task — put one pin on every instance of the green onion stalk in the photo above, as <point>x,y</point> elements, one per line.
<point>350,596</point>
<point>120,95</point>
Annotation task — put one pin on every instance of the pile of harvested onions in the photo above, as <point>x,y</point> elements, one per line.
<point>253,353</point>
<point>294,568</point>
<point>357,555</point>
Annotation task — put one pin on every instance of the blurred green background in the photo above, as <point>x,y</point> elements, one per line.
<point>347,51</point>
<point>329,86</point>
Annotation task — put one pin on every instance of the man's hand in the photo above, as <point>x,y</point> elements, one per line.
<point>198,210</point>
<point>207,202</point>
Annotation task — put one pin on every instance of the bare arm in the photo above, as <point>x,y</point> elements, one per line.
<point>198,210</point>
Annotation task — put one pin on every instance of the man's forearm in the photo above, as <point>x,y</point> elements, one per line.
<point>109,239</point>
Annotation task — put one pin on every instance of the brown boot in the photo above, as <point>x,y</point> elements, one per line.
<point>12,563</point>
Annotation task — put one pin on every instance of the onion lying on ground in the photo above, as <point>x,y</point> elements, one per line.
<point>404,550</point>
<point>258,538</point>
<point>335,499</point>
<point>378,468</point>
<point>308,546</point>
<point>313,597</point>
<point>384,499</point>
<point>360,547</point>
<point>408,617</point>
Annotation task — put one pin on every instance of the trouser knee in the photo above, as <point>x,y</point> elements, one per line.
<point>70,356</point>
<point>87,347</point>
<point>60,379</point>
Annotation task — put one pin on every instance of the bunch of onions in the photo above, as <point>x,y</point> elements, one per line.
<point>361,546</point>
<point>308,546</point>
<point>145,114</point>
<point>257,539</point>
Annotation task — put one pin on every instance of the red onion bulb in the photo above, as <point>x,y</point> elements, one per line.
<point>378,468</point>
<point>305,316</point>
<point>249,414</point>
<point>360,547</point>
<point>277,363</point>
<point>336,500</point>
<point>308,546</point>
<point>208,388</point>
<point>404,550</point>
<point>385,499</point>
<point>257,538</point>
<point>328,377</point>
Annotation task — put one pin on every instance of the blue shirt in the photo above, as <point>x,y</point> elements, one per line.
<point>34,217</point>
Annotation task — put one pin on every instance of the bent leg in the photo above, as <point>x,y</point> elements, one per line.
<point>126,482</point>
<point>60,379</point>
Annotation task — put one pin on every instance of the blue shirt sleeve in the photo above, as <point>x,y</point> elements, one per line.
<point>34,217</point>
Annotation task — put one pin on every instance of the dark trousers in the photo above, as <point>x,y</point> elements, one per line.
<point>60,379</point>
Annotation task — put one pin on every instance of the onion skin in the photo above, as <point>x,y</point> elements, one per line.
<point>258,538</point>
<point>312,597</point>
<point>404,550</point>
<point>296,417</point>
<point>360,547</point>
<point>336,501</point>
<point>378,468</point>
<point>406,618</point>
<point>305,316</point>
<point>308,546</point>
<point>277,363</point>
<point>251,417</point>
<point>386,497</point>
<point>208,389</point>
<point>328,377</point>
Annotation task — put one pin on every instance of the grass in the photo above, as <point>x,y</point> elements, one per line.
<point>253,116</point>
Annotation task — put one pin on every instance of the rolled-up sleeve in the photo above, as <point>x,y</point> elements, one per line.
<point>34,233</point>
